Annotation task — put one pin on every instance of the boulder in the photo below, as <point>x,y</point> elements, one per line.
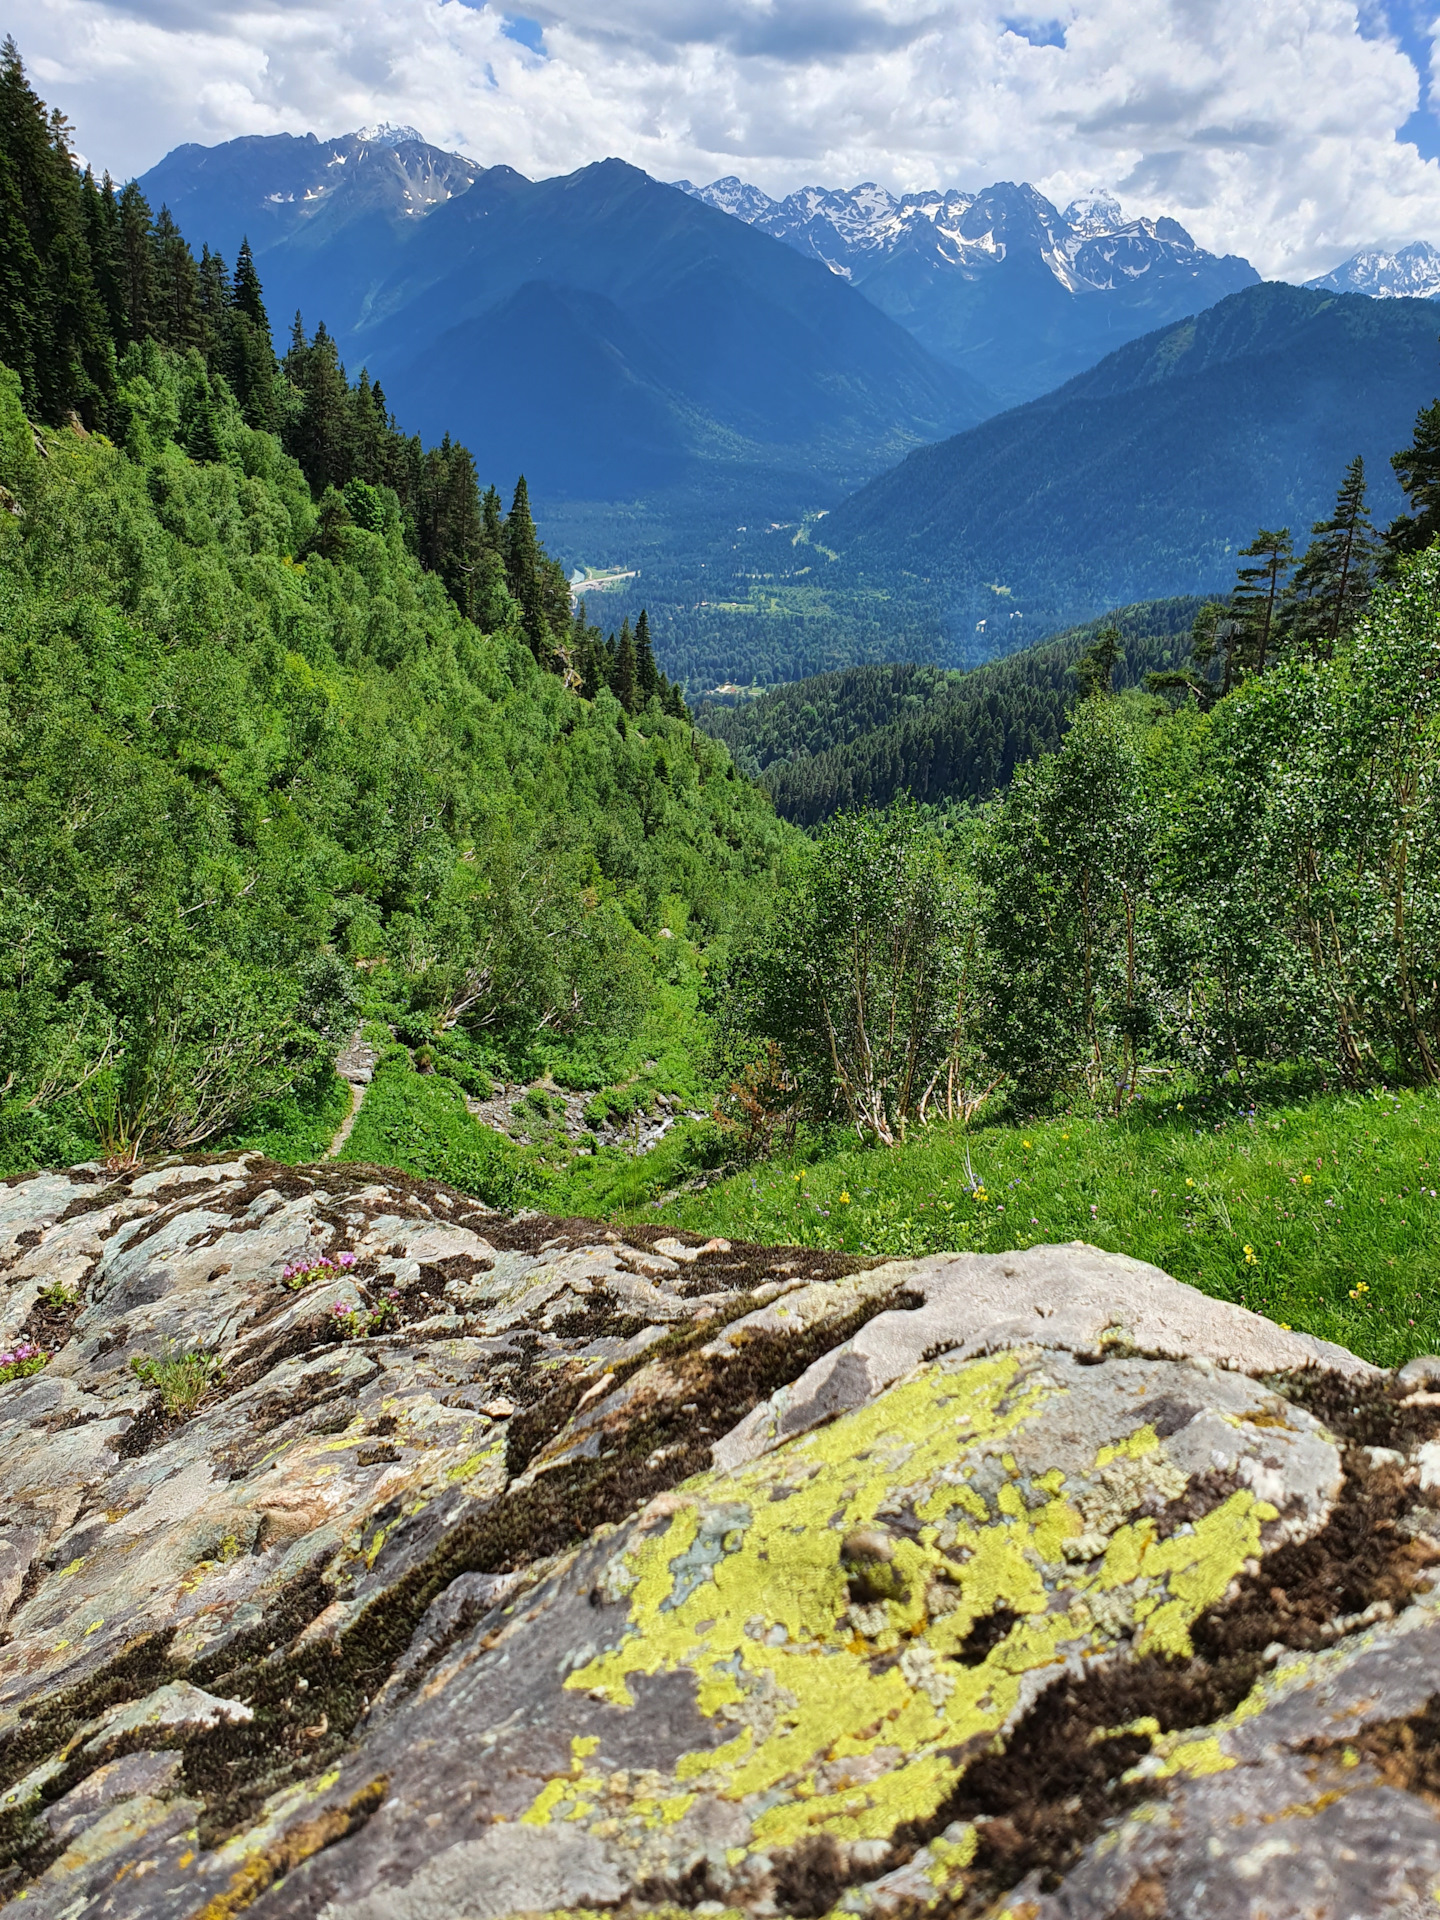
<point>434,1562</point>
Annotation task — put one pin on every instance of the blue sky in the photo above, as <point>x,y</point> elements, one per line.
<point>1292,131</point>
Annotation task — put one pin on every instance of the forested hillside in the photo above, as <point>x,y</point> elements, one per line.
<point>867,736</point>
<point>282,744</point>
<point>1145,475</point>
<point>647,342</point>
<point>1141,478</point>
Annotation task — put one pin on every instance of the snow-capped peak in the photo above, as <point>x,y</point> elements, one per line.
<point>1092,246</point>
<point>386,135</point>
<point>1095,212</point>
<point>1411,272</point>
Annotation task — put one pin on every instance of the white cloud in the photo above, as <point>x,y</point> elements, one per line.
<point>1267,126</point>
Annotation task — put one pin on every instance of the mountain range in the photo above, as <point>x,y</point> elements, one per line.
<point>690,378</point>
<point>999,282</point>
<point>610,337</point>
<point>1411,272</point>
<point>1144,475</point>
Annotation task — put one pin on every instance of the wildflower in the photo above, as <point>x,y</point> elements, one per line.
<point>844,1198</point>
<point>347,1259</point>
<point>1093,1207</point>
<point>1284,1326</point>
<point>1252,1259</point>
<point>1034,1221</point>
<point>1358,1289</point>
<point>1188,1181</point>
<point>1179,1106</point>
<point>1025,1143</point>
<point>1305,1180</point>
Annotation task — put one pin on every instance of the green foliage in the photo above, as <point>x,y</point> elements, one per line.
<point>1169,891</point>
<point>1335,1198</point>
<point>869,735</point>
<point>181,1379</point>
<point>228,775</point>
<point>860,976</point>
<point>1066,873</point>
<point>420,1122</point>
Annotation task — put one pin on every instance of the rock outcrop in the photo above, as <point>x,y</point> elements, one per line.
<point>367,1553</point>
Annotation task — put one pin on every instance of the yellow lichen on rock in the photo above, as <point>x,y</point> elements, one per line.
<point>823,1597</point>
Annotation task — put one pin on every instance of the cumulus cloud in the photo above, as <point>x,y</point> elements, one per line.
<point>1270,127</point>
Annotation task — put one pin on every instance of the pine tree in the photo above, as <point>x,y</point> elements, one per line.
<point>1417,467</point>
<point>178,320</point>
<point>1258,589</point>
<point>1095,669</point>
<point>1332,582</point>
<point>647,674</point>
<point>626,684</point>
<point>245,293</point>
<point>137,263</point>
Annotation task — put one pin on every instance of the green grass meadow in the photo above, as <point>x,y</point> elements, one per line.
<point>1322,1215</point>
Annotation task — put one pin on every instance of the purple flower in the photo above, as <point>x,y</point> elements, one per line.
<point>347,1259</point>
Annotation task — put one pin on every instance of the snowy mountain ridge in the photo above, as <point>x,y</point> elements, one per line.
<point>1409,273</point>
<point>1092,245</point>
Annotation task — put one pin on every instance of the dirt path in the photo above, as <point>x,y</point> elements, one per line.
<point>357,1066</point>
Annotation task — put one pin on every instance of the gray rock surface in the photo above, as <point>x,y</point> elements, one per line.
<point>514,1565</point>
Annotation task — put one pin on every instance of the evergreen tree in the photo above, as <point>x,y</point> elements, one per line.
<point>318,433</point>
<point>178,320</point>
<point>522,571</point>
<point>1258,589</point>
<point>1332,582</point>
<point>70,354</point>
<point>246,296</point>
<point>1095,669</point>
<point>137,264</point>
<point>19,277</point>
<point>626,683</point>
<point>101,215</point>
<point>214,279</point>
<point>1212,629</point>
<point>647,674</point>
<point>1417,467</point>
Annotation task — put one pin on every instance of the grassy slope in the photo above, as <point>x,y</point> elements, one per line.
<point>1335,1197</point>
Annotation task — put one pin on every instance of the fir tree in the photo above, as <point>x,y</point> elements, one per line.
<point>522,571</point>
<point>626,683</point>
<point>101,217</point>
<point>70,353</point>
<point>214,279</point>
<point>1095,669</point>
<point>647,674</point>
<point>1332,582</point>
<point>19,277</point>
<point>178,319</point>
<point>137,263</point>
<point>1417,467</point>
<point>245,293</point>
<point>1258,589</point>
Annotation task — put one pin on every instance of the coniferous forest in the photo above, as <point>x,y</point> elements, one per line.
<point>302,740</point>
